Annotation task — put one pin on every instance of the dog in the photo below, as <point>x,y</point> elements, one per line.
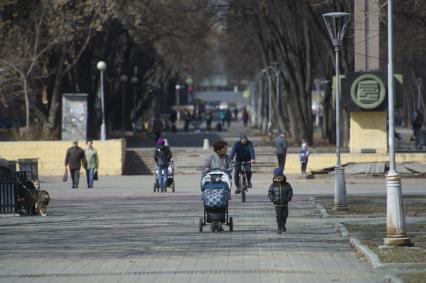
<point>32,200</point>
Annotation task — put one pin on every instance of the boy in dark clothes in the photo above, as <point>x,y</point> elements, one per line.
<point>280,193</point>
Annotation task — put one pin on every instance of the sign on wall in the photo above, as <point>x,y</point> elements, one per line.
<point>74,116</point>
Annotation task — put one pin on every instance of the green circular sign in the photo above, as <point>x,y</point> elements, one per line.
<point>368,91</point>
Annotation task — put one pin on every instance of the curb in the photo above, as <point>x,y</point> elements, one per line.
<point>369,254</point>
<point>322,211</point>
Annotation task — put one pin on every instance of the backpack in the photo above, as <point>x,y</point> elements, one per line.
<point>162,156</point>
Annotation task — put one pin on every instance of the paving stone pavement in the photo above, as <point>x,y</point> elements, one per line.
<point>119,232</point>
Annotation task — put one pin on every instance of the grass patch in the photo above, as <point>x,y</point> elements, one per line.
<point>372,236</point>
<point>373,205</point>
<point>418,277</point>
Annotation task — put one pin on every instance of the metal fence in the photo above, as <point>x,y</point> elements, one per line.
<point>8,196</point>
<point>29,165</point>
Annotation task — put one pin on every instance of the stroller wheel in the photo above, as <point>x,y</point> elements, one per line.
<point>173,187</point>
<point>231,224</point>
<point>201,223</point>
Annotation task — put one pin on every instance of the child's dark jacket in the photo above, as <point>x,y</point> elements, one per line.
<point>280,193</point>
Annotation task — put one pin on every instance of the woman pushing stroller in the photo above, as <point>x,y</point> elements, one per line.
<point>215,188</point>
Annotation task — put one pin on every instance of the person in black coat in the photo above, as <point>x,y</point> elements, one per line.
<point>74,159</point>
<point>280,193</point>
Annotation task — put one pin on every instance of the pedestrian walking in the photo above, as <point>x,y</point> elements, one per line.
<point>162,157</point>
<point>172,119</point>
<point>228,117</point>
<point>187,119</point>
<point>157,127</point>
<point>236,113</point>
<point>245,118</point>
<point>209,119</point>
<point>417,121</point>
<point>74,159</point>
<point>222,116</point>
<point>280,194</point>
<point>303,157</point>
<point>281,150</point>
<point>219,159</point>
<point>91,164</point>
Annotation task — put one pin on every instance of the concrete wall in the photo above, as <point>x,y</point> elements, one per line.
<point>368,130</point>
<point>51,155</point>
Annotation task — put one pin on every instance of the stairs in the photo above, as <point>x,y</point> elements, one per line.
<point>140,161</point>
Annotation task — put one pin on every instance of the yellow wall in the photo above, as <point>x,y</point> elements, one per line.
<point>368,130</point>
<point>51,155</point>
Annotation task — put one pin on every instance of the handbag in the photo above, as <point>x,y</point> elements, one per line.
<point>65,177</point>
<point>95,176</point>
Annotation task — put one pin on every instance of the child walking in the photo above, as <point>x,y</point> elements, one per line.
<point>280,193</point>
<point>303,157</point>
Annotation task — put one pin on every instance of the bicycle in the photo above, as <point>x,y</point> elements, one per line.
<point>243,180</point>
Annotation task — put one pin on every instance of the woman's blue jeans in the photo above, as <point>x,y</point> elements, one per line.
<point>162,176</point>
<point>90,173</point>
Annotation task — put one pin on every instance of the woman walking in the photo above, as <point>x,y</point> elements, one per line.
<point>92,163</point>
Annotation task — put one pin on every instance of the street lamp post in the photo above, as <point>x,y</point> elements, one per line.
<point>337,23</point>
<point>396,235</point>
<point>102,67</point>
<point>123,79</point>
<point>259,117</point>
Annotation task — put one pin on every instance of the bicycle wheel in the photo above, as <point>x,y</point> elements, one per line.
<point>243,188</point>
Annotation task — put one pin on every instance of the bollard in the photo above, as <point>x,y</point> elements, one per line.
<point>206,145</point>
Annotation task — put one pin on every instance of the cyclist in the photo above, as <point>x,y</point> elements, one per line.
<point>244,152</point>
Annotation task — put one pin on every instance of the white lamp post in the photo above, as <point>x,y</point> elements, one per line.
<point>395,224</point>
<point>102,67</point>
<point>337,23</point>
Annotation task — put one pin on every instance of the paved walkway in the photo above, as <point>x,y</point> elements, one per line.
<point>122,232</point>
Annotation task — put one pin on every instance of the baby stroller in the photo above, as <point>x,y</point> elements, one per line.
<point>216,189</point>
<point>170,178</point>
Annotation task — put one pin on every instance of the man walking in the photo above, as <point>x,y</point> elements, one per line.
<point>74,159</point>
<point>281,150</point>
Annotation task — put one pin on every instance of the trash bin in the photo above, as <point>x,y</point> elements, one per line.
<point>29,165</point>
<point>421,138</point>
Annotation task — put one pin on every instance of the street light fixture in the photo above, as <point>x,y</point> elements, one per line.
<point>336,24</point>
<point>396,233</point>
<point>102,67</point>
<point>123,79</point>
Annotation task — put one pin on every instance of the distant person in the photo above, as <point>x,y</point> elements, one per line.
<point>236,113</point>
<point>162,158</point>
<point>157,127</point>
<point>281,150</point>
<point>209,119</point>
<point>91,164</point>
<point>187,119</point>
<point>280,193</point>
<point>222,116</point>
<point>196,120</point>
<point>417,121</point>
<point>173,119</point>
<point>303,157</point>
<point>228,117</point>
<point>74,159</point>
<point>245,118</point>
